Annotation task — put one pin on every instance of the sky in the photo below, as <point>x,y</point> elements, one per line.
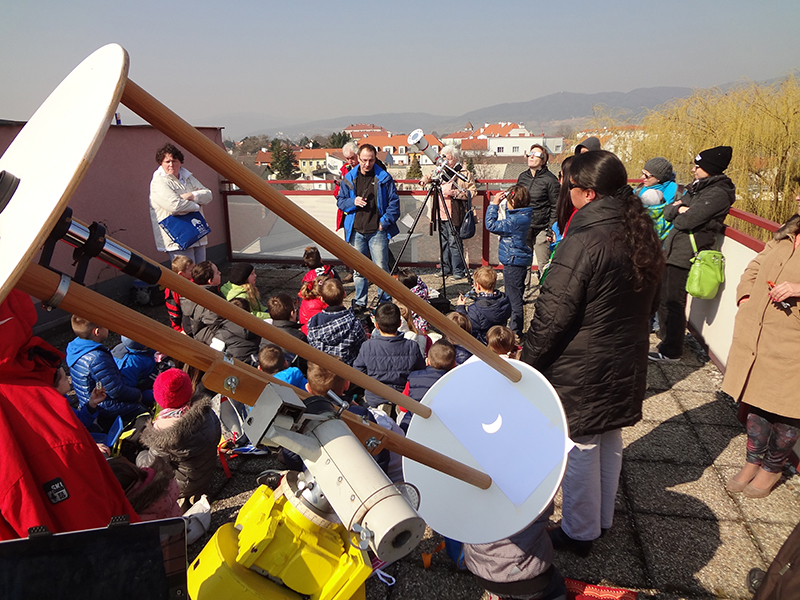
<point>297,61</point>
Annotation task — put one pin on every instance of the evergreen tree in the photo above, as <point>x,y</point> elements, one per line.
<point>284,162</point>
<point>414,170</point>
<point>471,165</point>
<point>337,140</point>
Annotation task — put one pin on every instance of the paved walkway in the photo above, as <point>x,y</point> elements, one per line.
<point>677,532</point>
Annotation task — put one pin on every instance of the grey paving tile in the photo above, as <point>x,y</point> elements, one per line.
<point>681,490</point>
<point>655,378</point>
<point>697,556</point>
<point>770,536</point>
<point>726,445</point>
<point>626,570</point>
<point>690,378</point>
<point>782,506</point>
<point>671,441</point>
<point>442,581</point>
<point>708,408</point>
<point>661,406</point>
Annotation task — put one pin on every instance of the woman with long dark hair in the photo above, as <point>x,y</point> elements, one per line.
<point>590,336</point>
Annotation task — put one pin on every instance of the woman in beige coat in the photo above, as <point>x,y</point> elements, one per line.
<point>762,365</point>
<point>175,191</point>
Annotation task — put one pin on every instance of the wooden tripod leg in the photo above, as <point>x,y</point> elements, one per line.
<point>150,109</point>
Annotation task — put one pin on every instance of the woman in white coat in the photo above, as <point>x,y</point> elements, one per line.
<point>175,191</point>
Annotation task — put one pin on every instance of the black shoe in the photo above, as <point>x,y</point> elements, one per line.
<point>754,579</point>
<point>658,357</point>
<point>561,541</point>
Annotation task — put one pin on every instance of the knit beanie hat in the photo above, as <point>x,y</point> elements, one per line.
<point>172,389</point>
<point>590,143</point>
<point>714,160</point>
<point>240,272</point>
<point>660,168</point>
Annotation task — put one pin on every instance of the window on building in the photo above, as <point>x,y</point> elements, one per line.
<point>500,149</point>
<point>515,149</point>
<point>558,147</point>
<point>401,150</point>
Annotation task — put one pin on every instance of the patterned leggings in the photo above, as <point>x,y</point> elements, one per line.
<point>770,439</point>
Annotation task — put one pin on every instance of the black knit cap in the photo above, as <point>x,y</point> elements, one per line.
<point>240,272</point>
<point>714,160</point>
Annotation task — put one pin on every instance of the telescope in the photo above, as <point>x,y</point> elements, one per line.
<point>309,537</point>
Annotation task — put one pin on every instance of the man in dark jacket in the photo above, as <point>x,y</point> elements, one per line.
<point>701,211</point>
<point>543,189</point>
<point>368,198</point>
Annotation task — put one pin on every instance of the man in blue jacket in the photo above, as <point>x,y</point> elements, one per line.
<point>371,207</point>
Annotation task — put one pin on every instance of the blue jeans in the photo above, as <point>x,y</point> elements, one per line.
<point>375,246</point>
<point>452,247</point>
<point>514,279</point>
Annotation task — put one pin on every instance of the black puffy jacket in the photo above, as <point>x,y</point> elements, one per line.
<point>590,332</point>
<point>709,201</point>
<point>543,190</point>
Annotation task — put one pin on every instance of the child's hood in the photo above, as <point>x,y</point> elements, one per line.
<point>78,347</point>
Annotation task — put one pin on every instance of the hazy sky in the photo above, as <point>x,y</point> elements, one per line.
<point>307,60</point>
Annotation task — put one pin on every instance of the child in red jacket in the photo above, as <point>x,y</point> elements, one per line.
<point>311,295</point>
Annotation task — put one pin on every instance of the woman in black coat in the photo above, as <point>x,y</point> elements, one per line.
<point>590,336</point>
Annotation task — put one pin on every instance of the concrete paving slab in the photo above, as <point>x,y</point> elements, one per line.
<point>680,490</point>
<point>725,445</point>
<point>626,569</point>
<point>697,556</point>
<point>662,406</point>
<point>685,377</point>
<point>671,441</point>
<point>656,379</point>
<point>702,407</point>
<point>770,537</point>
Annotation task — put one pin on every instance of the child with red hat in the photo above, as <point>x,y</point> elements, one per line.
<point>185,433</point>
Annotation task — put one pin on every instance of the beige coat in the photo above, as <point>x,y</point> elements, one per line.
<point>762,367</point>
<point>165,200</point>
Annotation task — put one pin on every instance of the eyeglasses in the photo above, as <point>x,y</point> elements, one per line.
<point>646,175</point>
<point>572,186</point>
<point>533,154</point>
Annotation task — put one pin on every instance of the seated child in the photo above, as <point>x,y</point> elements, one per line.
<point>408,328</point>
<point>311,301</point>
<point>513,250</point>
<point>242,284</point>
<point>272,361</point>
<point>501,340</point>
<point>490,308</point>
<point>388,357</point>
<point>313,262</point>
<point>414,283</point>
<point>152,492</point>
<point>441,359</point>
<point>462,354</point>
<point>239,342</point>
<point>185,434</point>
<point>284,317</point>
<point>200,322</point>
<point>136,363</point>
<point>182,265</point>
<point>520,566</point>
<point>336,330</point>
<point>91,366</point>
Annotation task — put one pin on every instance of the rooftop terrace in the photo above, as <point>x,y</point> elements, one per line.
<point>677,532</point>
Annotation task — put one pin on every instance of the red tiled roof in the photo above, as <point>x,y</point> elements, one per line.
<point>263,158</point>
<point>395,141</point>
<point>471,144</point>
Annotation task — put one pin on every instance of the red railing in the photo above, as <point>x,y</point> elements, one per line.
<point>485,188</point>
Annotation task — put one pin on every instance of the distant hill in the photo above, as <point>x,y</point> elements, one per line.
<point>541,114</point>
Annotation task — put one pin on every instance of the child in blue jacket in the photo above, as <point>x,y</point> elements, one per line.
<point>90,363</point>
<point>514,253</point>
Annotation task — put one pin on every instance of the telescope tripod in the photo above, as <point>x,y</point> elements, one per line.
<point>437,223</point>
